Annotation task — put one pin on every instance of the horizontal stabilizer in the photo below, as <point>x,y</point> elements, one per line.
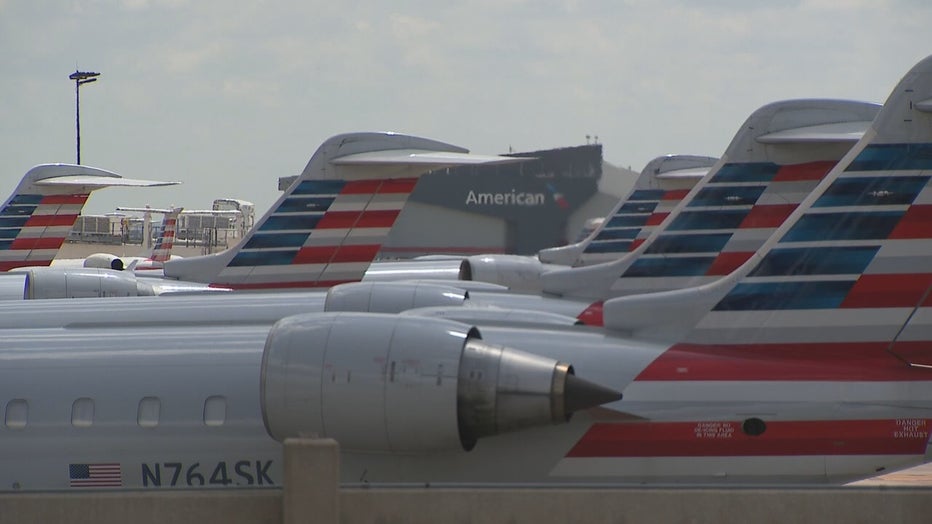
<point>162,211</point>
<point>213,212</point>
<point>820,134</point>
<point>697,172</point>
<point>100,181</point>
<point>422,158</point>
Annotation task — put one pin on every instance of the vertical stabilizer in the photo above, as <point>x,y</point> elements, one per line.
<point>162,250</point>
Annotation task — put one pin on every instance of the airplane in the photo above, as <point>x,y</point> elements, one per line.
<point>810,362</point>
<point>161,251</point>
<point>37,218</point>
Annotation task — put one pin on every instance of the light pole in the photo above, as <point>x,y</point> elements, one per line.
<point>80,78</point>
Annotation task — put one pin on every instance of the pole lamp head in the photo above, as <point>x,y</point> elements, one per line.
<point>83,77</point>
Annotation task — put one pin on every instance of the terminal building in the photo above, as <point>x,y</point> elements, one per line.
<point>516,208</point>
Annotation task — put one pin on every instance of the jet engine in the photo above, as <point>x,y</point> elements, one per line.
<point>518,273</point>
<point>104,261</point>
<point>391,297</point>
<point>51,282</point>
<point>395,384</point>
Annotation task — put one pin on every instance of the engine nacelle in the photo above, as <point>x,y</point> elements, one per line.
<point>391,297</point>
<point>518,273</point>
<point>52,282</point>
<point>395,384</point>
<point>104,261</point>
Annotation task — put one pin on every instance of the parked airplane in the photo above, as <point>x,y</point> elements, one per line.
<point>161,251</point>
<point>810,362</point>
<point>43,208</point>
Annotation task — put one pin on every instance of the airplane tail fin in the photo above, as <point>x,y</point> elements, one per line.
<point>331,222</point>
<point>37,218</point>
<point>663,182</point>
<point>162,250</point>
<point>845,279</point>
<point>777,157</point>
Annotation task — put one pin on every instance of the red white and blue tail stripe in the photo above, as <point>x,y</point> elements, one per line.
<point>33,227</point>
<point>663,184</point>
<point>325,233</point>
<point>162,250</point>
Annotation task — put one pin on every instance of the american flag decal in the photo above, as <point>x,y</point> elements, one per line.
<point>95,475</point>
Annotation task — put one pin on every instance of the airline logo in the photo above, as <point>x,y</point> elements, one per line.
<point>326,232</point>
<point>512,198</point>
<point>34,227</point>
<point>558,197</point>
<point>166,241</point>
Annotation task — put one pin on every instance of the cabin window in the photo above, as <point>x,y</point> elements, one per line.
<point>17,414</point>
<point>82,412</point>
<point>150,408</point>
<point>215,410</point>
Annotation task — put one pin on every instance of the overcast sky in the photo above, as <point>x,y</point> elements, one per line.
<point>228,95</point>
